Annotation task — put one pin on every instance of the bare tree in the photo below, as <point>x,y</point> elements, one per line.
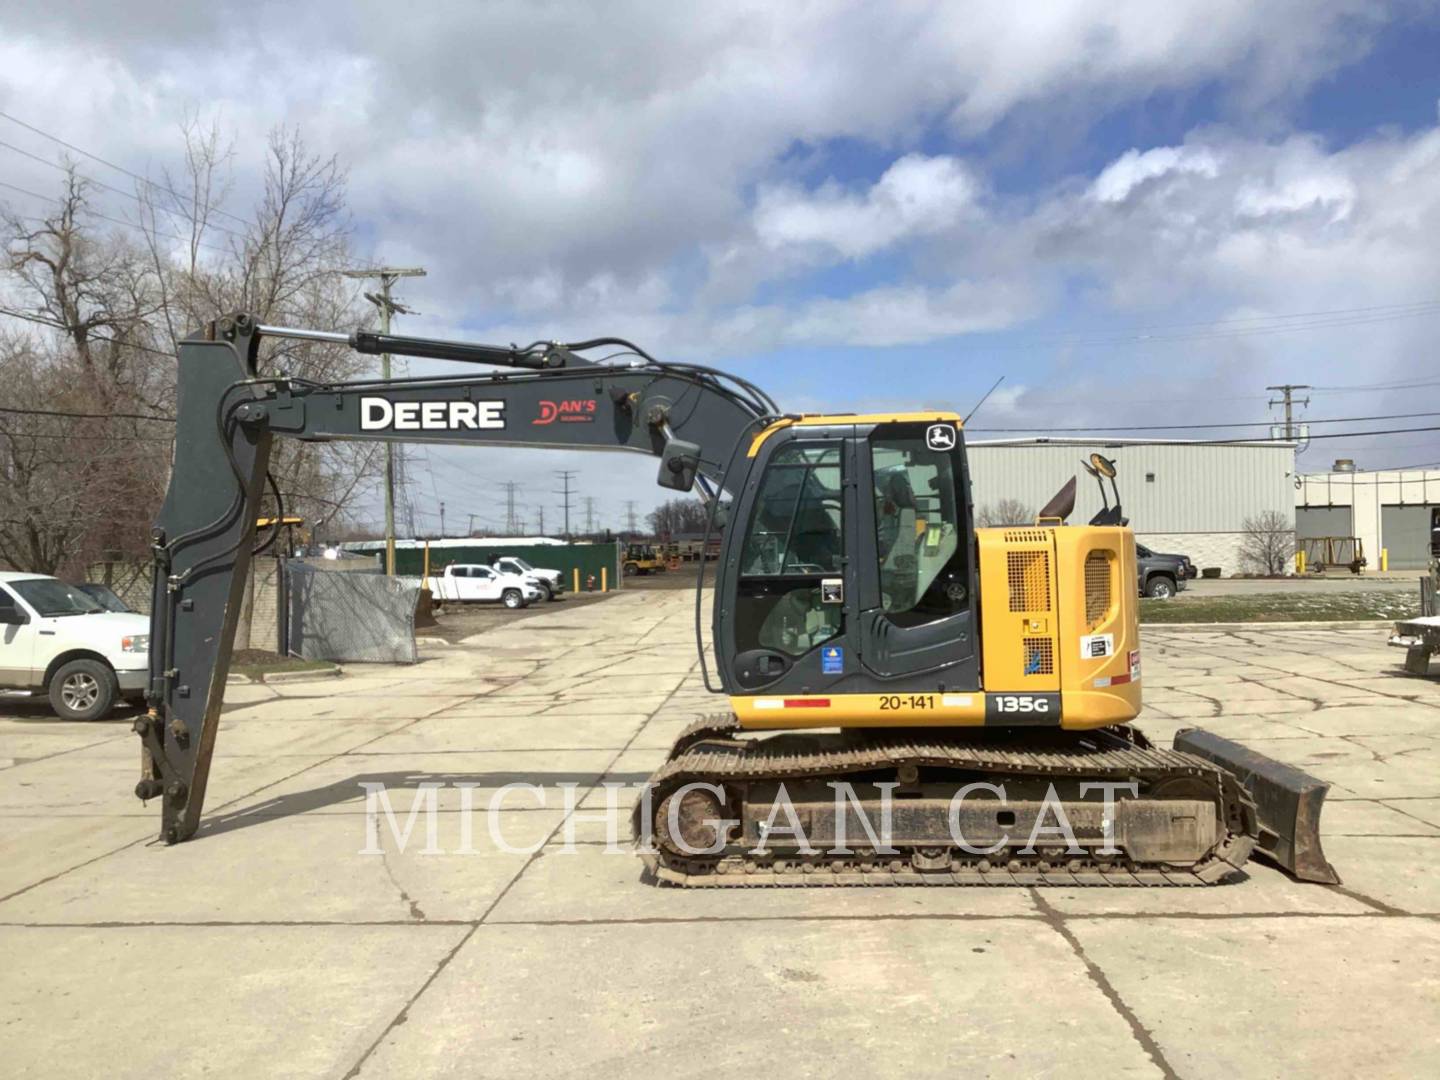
<point>1002,513</point>
<point>678,516</point>
<point>90,479</point>
<point>1267,543</point>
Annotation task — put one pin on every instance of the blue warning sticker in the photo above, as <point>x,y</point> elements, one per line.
<point>832,660</point>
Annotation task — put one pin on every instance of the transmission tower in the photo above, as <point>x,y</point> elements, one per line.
<point>566,476</point>
<point>589,514</point>
<point>630,518</point>
<point>512,521</point>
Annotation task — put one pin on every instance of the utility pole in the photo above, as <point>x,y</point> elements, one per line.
<point>630,520</point>
<point>470,528</point>
<point>566,475</point>
<point>589,514</point>
<point>1287,391</point>
<point>540,511</point>
<point>388,275</point>
<point>442,521</point>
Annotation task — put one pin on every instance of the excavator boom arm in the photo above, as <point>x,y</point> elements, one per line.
<point>228,416</point>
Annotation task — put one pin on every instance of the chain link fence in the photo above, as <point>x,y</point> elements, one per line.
<point>354,617</point>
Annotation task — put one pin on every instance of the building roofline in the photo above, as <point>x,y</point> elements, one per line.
<point>1102,442</point>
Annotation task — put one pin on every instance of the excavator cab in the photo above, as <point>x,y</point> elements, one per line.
<point>850,559</point>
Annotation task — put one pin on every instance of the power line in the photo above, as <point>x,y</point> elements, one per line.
<point>1042,441</point>
<point>107,187</point>
<point>119,438</point>
<point>105,217</point>
<point>1202,427</point>
<point>41,321</point>
<point>85,415</point>
<point>118,168</point>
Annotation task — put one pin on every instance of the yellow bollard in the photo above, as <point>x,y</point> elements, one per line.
<point>577,580</point>
<point>1300,561</point>
<point>1384,560</point>
<point>604,577</point>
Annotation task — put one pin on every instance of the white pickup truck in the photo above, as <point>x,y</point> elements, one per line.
<point>56,639</point>
<point>467,582</point>
<point>550,581</point>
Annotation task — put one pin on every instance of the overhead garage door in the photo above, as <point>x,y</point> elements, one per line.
<point>1405,534</point>
<point>1322,521</point>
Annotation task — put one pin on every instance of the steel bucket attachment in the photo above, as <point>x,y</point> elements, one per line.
<point>1287,801</point>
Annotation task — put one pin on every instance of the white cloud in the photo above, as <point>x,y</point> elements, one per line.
<point>915,195</point>
<point>651,170</point>
<point>513,142</point>
<point>1134,168</point>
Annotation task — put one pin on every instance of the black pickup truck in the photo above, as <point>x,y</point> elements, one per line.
<point>1161,575</point>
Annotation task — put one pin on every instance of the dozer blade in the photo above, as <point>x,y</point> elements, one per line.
<point>1287,800</point>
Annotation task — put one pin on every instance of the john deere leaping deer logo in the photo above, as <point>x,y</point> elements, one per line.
<point>940,437</point>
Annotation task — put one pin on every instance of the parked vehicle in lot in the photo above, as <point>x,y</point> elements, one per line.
<point>474,583</point>
<point>1161,575</point>
<point>57,640</point>
<point>641,559</point>
<point>551,582</point>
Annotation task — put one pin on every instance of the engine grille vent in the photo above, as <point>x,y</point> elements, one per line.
<point>1097,587</point>
<point>1039,656</point>
<point>1026,536</point>
<point>1029,573</point>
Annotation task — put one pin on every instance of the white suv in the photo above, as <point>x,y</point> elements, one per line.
<point>58,640</point>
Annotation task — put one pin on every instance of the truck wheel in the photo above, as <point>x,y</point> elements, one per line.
<point>1160,588</point>
<point>512,599</point>
<point>547,591</point>
<point>83,690</point>
<point>631,569</point>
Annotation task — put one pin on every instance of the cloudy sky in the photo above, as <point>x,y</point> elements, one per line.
<point>1138,213</point>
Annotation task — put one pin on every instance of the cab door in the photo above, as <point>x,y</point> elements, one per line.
<point>786,623</point>
<point>482,583</point>
<point>916,554</point>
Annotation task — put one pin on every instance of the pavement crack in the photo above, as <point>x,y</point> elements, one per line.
<point>1100,979</point>
<point>415,912</point>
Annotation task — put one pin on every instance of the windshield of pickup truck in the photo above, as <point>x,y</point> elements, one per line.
<point>53,598</point>
<point>524,566</point>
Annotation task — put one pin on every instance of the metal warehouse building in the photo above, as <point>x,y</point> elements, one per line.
<point>1185,497</point>
<point>1388,510</point>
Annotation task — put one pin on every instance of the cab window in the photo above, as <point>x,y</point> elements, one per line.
<point>796,526</point>
<point>919,524</point>
<point>794,539</point>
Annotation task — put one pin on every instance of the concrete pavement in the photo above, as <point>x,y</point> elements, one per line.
<point>272,946</point>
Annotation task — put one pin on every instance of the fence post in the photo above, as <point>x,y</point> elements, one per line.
<point>282,605</point>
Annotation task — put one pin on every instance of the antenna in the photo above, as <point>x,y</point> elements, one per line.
<point>982,401</point>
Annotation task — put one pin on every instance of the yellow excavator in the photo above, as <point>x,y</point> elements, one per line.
<point>911,700</point>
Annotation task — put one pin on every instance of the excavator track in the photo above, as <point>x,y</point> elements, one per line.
<point>712,751</point>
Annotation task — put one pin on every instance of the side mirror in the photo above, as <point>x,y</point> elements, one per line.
<point>10,616</point>
<point>678,462</point>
